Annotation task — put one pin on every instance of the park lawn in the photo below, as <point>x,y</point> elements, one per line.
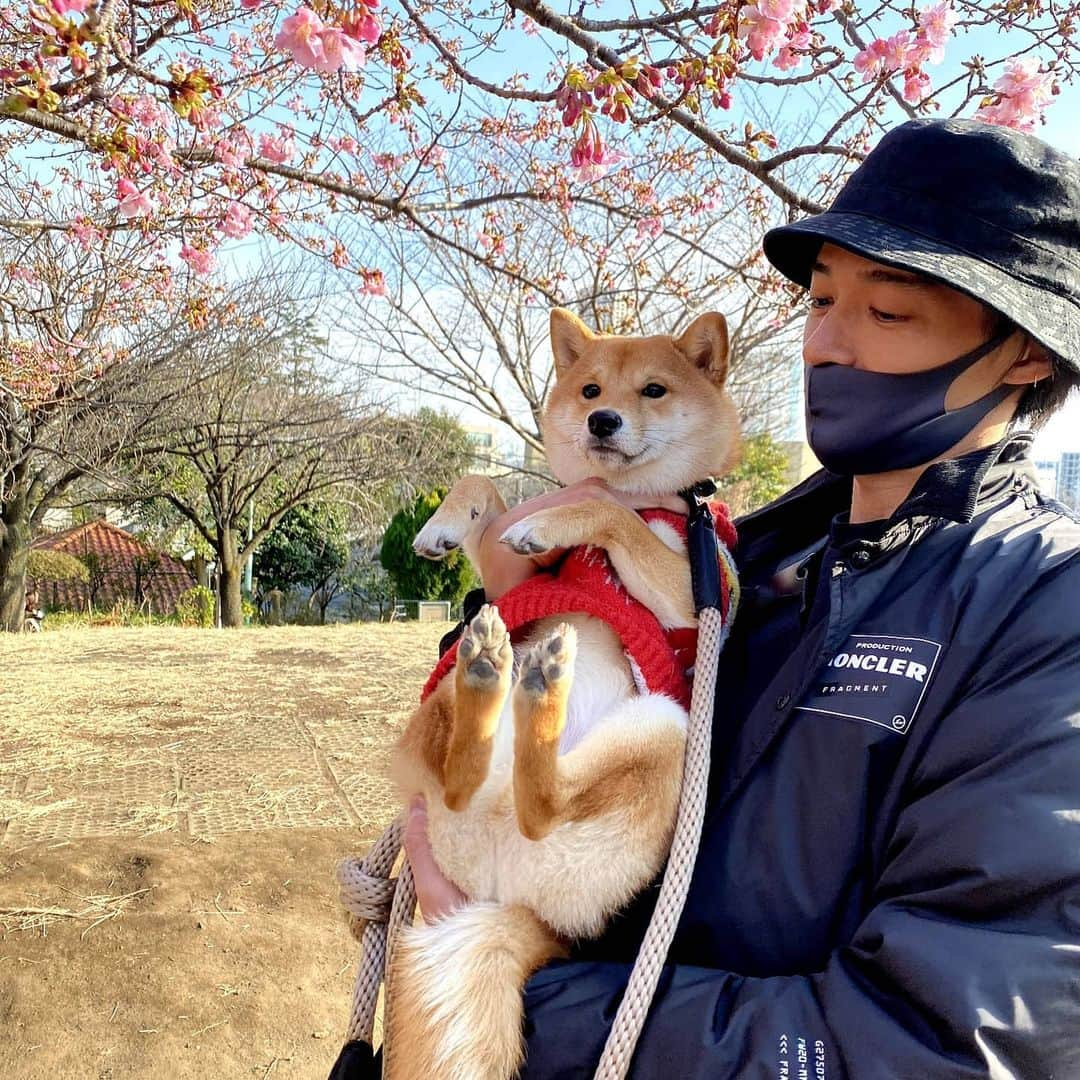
<point>173,803</point>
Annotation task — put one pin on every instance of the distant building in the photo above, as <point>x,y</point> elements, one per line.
<point>122,568</point>
<point>801,460</point>
<point>1068,480</point>
<point>534,460</point>
<point>486,456</point>
<point>1046,472</point>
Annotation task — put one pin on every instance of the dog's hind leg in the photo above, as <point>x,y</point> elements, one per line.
<point>481,682</point>
<point>540,698</point>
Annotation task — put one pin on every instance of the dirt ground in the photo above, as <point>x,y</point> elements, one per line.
<point>172,807</point>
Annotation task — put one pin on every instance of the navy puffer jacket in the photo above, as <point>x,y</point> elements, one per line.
<point>889,878</point>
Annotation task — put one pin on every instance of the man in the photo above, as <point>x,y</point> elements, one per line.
<point>889,878</point>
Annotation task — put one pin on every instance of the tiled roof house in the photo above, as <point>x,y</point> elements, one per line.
<point>125,567</point>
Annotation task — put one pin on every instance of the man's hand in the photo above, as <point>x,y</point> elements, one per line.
<point>501,568</point>
<point>437,894</point>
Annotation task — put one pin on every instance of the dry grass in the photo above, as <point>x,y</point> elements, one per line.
<point>98,909</point>
<point>172,806</point>
<point>79,707</point>
<point>91,696</point>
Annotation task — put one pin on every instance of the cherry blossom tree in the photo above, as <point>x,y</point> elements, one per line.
<point>206,120</point>
<point>86,320</point>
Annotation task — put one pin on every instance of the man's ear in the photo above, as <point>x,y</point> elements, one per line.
<point>569,336</point>
<point>705,344</point>
<point>1031,366</point>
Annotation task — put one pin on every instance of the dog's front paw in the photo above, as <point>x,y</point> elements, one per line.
<point>434,541</point>
<point>532,535</point>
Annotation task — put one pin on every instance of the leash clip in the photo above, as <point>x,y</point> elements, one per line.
<point>701,545</point>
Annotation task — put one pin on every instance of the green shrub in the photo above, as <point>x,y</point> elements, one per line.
<point>55,566</point>
<point>195,607</point>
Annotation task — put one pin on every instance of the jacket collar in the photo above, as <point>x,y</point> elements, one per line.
<point>955,490</point>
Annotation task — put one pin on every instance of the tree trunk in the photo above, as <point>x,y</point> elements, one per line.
<point>231,572</point>
<point>14,551</point>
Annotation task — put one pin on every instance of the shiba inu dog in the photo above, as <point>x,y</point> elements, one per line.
<point>552,764</point>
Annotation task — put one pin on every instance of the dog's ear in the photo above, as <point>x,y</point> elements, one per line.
<point>569,336</point>
<point>705,344</point>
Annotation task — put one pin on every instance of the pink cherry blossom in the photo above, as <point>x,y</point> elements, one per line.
<point>85,234</point>
<point>916,85</point>
<point>782,11</point>
<point>599,165</point>
<point>895,53</point>
<point>250,5</point>
<point>374,283</point>
<point>228,153</point>
<point>871,58</point>
<point>199,259</point>
<point>364,27</point>
<point>1023,93</point>
<point>64,7</point>
<point>279,150</point>
<point>651,227</point>
<point>339,52</point>
<point>935,28</point>
<point>786,59</point>
<point>133,202</point>
<point>238,222</point>
<point>760,33</point>
<point>802,38</point>
<point>590,157</point>
<point>299,36</point>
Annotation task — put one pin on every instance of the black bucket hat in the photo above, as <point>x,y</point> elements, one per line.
<point>990,211</point>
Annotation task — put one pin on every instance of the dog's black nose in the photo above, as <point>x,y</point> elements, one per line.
<point>604,422</point>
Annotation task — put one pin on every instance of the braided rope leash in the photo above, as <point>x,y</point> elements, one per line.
<point>387,904</point>
<point>641,986</point>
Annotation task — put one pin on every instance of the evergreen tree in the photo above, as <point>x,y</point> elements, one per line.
<point>416,578</point>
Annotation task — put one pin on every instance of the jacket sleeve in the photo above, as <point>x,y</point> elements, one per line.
<point>967,963</point>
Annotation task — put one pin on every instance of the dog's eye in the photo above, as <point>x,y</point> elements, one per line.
<point>474,513</point>
<point>654,390</point>
<point>590,390</point>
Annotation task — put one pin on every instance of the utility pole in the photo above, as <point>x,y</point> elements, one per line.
<point>249,567</point>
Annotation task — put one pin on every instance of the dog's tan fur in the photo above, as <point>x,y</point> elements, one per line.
<point>551,801</point>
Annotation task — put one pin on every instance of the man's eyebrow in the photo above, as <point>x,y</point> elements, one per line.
<point>884,274</point>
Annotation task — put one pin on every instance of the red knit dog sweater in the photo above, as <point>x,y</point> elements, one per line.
<point>585,582</point>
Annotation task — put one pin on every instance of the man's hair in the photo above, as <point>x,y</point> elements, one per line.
<point>1039,402</point>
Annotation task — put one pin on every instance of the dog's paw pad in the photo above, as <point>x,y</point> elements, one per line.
<point>484,649</point>
<point>550,661</point>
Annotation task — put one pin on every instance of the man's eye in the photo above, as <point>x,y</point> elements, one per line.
<point>817,302</point>
<point>590,390</point>
<point>886,316</point>
<point>654,390</point>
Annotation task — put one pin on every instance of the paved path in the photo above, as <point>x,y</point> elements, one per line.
<point>271,729</point>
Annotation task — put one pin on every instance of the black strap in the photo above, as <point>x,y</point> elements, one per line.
<point>701,546</point>
<point>357,1061</point>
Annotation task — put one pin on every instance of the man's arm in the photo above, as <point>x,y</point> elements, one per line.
<point>967,963</point>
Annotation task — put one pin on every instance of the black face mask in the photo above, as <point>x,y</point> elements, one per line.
<point>861,422</point>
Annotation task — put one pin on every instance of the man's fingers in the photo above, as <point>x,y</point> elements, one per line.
<point>437,895</point>
<point>417,846</point>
